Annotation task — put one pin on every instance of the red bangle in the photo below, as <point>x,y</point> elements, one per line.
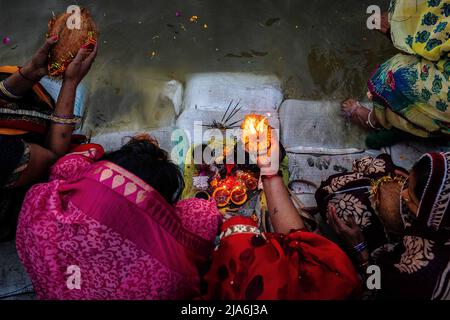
<point>278,174</point>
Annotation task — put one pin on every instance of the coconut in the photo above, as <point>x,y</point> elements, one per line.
<point>69,40</point>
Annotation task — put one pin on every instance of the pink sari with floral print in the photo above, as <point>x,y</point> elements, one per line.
<point>100,223</point>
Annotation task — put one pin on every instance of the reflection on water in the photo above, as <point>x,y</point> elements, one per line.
<point>320,49</point>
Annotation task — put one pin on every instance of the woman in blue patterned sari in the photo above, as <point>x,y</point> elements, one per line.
<point>410,92</point>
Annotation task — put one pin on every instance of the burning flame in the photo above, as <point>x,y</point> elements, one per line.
<point>255,128</point>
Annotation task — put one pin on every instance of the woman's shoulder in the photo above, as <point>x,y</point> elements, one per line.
<point>200,217</point>
<point>80,158</point>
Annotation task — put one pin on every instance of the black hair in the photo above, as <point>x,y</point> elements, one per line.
<point>421,172</point>
<point>152,164</point>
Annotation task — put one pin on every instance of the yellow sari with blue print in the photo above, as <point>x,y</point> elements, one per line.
<point>411,90</point>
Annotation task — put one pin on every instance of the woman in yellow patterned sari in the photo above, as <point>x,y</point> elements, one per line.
<point>410,92</point>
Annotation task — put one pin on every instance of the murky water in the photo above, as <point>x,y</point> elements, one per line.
<point>320,49</point>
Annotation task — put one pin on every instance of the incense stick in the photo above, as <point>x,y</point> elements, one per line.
<point>234,112</point>
<point>223,117</point>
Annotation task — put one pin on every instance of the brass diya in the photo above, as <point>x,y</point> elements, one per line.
<point>69,40</point>
<point>239,195</point>
<point>222,196</point>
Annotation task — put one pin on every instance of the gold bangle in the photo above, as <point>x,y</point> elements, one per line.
<point>69,121</point>
<point>6,92</point>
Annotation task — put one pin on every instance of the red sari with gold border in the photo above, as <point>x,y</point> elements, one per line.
<point>302,265</point>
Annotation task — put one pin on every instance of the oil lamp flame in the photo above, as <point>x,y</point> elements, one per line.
<point>256,128</point>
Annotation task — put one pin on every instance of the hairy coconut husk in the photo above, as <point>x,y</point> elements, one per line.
<point>69,41</point>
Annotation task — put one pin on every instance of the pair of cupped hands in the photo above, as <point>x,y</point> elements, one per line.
<point>37,67</point>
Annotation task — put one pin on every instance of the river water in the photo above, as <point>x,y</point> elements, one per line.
<point>320,49</point>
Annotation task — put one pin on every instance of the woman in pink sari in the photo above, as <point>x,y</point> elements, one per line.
<point>113,229</point>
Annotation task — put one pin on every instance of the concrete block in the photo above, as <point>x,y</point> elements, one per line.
<point>315,126</point>
<point>131,100</point>
<point>406,154</point>
<point>172,96</point>
<point>208,95</point>
<point>214,91</point>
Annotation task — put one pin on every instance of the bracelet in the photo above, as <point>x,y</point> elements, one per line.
<point>66,120</point>
<point>270,176</point>
<point>63,116</point>
<point>6,92</point>
<point>23,76</point>
<point>360,247</point>
<point>368,122</point>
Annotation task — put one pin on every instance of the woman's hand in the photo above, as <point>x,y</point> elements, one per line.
<point>269,159</point>
<point>59,135</point>
<point>349,232</point>
<point>38,66</point>
<point>81,65</point>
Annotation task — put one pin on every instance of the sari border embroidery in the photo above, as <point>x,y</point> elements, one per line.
<point>239,229</point>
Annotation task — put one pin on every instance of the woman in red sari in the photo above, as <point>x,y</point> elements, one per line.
<point>291,264</point>
<point>117,225</point>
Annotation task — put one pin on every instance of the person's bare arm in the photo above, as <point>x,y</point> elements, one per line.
<point>59,135</point>
<point>41,160</point>
<point>283,214</point>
